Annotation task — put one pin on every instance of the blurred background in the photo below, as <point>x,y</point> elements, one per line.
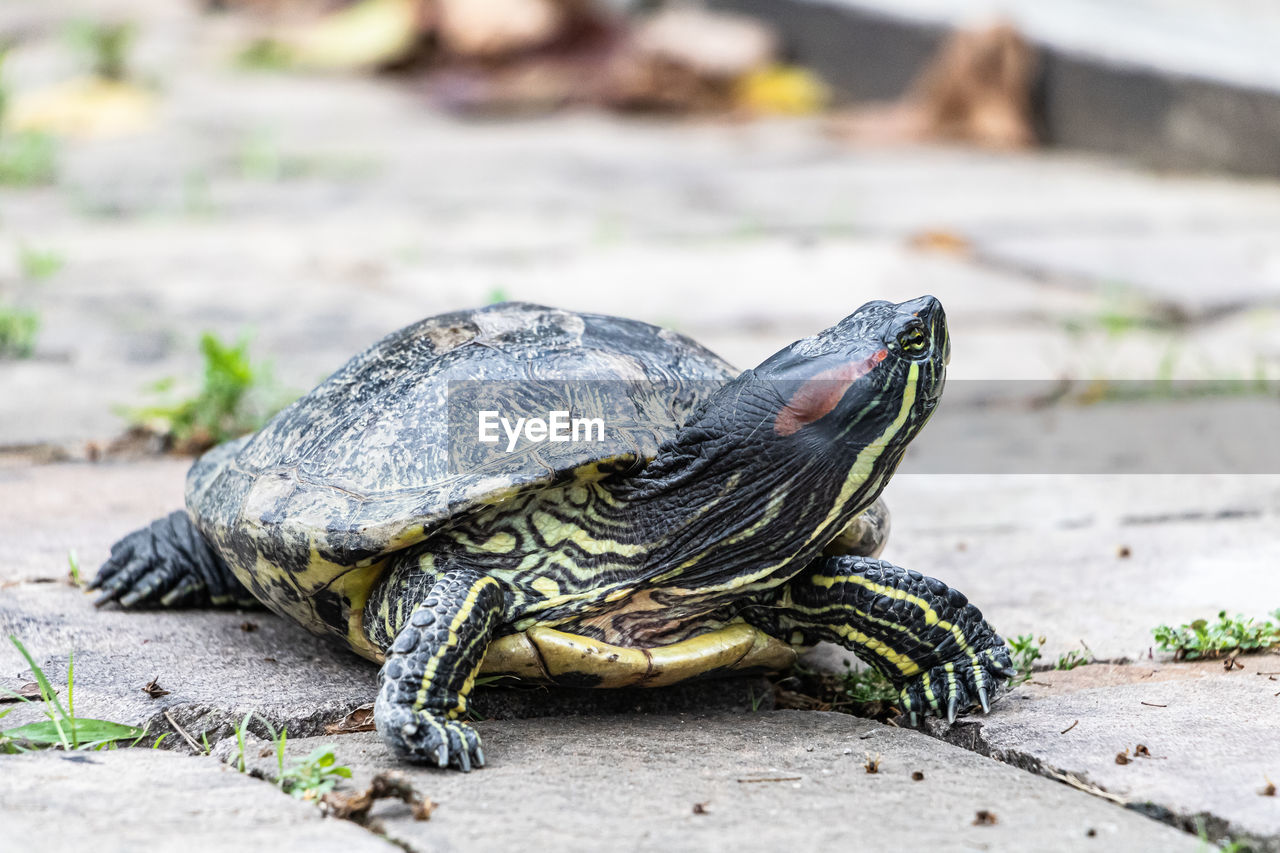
<point>206,207</point>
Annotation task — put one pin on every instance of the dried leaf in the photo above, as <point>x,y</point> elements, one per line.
<point>940,240</point>
<point>363,35</point>
<point>985,818</point>
<point>153,689</point>
<point>359,720</point>
<point>30,691</point>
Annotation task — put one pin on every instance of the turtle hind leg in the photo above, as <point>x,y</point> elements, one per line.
<point>431,668</point>
<point>168,563</point>
<point>926,638</point>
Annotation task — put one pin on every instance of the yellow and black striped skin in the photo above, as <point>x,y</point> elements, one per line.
<point>650,560</point>
<point>922,635</point>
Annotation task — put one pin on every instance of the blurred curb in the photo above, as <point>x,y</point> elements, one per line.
<point>1157,117</point>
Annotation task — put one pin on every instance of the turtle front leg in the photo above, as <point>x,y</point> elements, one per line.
<point>926,638</point>
<point>431,668</point>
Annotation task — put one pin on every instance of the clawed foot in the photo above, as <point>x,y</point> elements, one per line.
<point>168,564</point>
<point>425,738</point>
<point>140,573</point>
<point>958,685</point>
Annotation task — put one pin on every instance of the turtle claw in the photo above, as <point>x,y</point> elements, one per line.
<point>957,686</point>
<point>426,737</point>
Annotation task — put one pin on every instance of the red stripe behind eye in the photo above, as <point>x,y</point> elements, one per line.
<point>822,393</point>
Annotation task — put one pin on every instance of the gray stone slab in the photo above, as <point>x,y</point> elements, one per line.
<point>1210,737</point>
<point>1041,554</point>
<point>1188,275</point>
<point>618,783</point>
<point>138,799</point>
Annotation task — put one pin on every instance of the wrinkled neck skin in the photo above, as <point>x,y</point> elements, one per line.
<point>729,504</point>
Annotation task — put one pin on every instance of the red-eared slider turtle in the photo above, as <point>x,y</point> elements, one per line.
<point>746,526</point>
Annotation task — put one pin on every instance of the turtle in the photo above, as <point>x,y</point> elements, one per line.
<point>720,522</point>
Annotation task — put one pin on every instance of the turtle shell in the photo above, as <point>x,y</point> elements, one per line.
<point>304,510</point>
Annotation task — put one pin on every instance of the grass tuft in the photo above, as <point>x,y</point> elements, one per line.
<point>1026,651</point>
<point>235,399</point>
<point>103,47</point>
<point>63,729</point>
<point>18,330</point>
<point>27,159</point>
<point>1204,639</point>
<point>314,776</point>
<point>37,264</point>
<point>306,779</point>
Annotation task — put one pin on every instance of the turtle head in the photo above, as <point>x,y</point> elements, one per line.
<point>875,376</point>
<point>787,454</point>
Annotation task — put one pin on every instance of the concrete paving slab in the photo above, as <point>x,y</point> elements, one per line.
<point>1209,738</point>
<point>138,799</point>
<point>767,781</point>
<point>1188,275</point>
<point>1041,555</point>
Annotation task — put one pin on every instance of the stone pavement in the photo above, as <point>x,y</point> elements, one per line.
<point>1038,554</point>
<point>323,213</point>
<point>766,781</point>
<point>139,799</point>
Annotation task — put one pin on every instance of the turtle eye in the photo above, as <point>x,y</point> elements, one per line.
<point>913,341</point>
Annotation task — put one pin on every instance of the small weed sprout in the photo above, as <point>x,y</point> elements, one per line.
<point>1026,651</point>
<point>62,728</point>
<point>73,568</point>
<point>27,159</point>
<point>241,733</point>
<point>1204,639</point>
<point>315,775</point>
<point>104,47</point>
<point>1073,658</point>
<point>38,264</point>
<point>18,330</point>
<point>229,404</point>
<point>307,779</point>
<point>868,685</point>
